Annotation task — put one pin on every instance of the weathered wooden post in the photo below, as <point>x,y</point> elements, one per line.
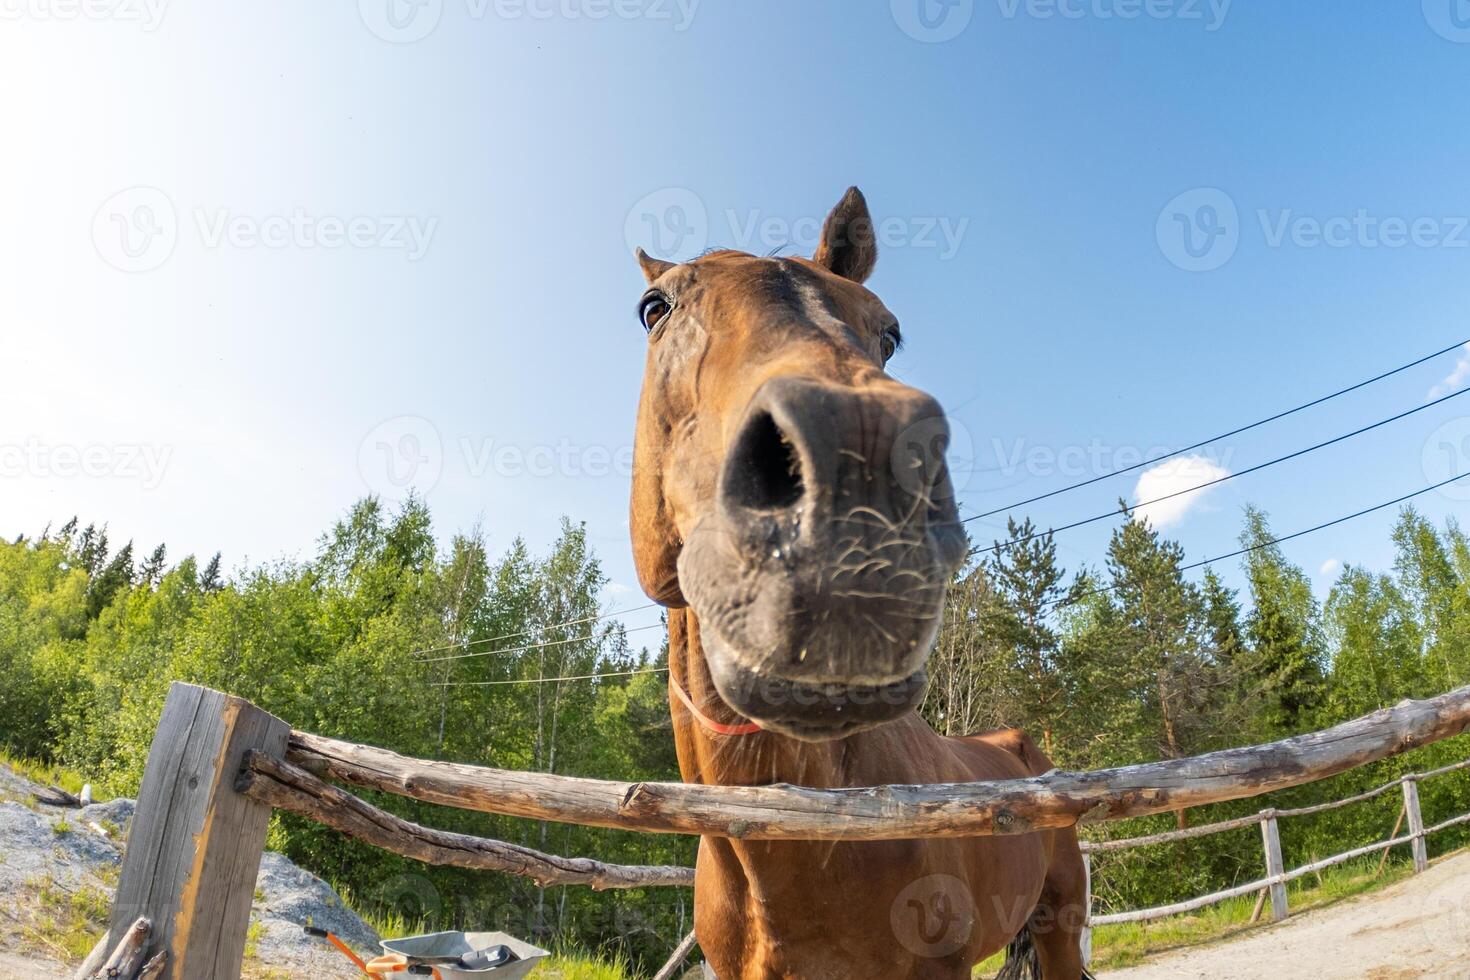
<point>1416,824</point>
<point>1086,908</point>
<point>195,846</point>
<point>1275,867</point>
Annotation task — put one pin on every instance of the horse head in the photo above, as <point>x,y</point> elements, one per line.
<point>787,488</point>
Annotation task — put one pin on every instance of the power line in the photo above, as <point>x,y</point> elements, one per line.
<point>550,680</point>
<point>1223,435</point>
<point>528,632</point>
<point>1001,546</point>
<point>533,646</point>
<point>1281,540</point>
<point>1068,599</point>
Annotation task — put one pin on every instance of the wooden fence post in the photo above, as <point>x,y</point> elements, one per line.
<point>195,846</point>
<point>1086,909</point>
<point>1271,836</point>
<point>1416,824</point>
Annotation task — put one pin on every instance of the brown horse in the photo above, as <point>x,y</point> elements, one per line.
<point>791,508</point>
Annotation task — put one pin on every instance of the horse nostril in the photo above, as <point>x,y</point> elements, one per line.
<point>764,471</point>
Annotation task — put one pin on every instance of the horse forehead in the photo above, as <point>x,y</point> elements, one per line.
<point>755,286</point>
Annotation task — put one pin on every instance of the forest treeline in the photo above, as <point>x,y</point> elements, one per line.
<point>1127,662</point>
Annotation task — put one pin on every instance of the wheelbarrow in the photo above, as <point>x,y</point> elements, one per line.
<point>447,956</point>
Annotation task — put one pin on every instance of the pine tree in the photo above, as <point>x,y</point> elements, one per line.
<point>116,577</point>
<point>1029,585</point>
<point>153,566</point>
<point>209,579</point>
<point>1288,656</point>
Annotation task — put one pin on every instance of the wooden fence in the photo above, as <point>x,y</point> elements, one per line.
<point>219,765</point>
<point>1275,881</point>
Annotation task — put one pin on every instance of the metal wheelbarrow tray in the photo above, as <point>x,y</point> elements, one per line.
<point>456,944</point>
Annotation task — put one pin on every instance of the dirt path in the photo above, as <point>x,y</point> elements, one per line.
<point>1419,927</point>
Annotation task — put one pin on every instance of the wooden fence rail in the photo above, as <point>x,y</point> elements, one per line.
<point>218,766</point>
<point>1277,876</point>
<point>998,807</point>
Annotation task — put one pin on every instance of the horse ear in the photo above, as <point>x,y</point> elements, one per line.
<point>652,267</point>
<point>848,247</point>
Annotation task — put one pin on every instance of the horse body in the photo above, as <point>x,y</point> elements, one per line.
<point>785,510</point>
<point>815,910</point>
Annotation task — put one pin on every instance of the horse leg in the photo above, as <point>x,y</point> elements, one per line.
<point>1061,914</point>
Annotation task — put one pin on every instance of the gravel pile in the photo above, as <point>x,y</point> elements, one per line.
<point>75,848</point>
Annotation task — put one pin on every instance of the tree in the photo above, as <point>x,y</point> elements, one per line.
<point>1156,622</point>
<point>1288,656</point>
<point>1028,585</point>
<point>153,567</point>
<point>114,578</point>
<point>209,579</point>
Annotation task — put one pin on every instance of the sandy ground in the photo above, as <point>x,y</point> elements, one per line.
<point>1418,927</point>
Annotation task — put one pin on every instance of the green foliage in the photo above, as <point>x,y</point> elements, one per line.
<point>1109,666</point>
<point>328,644</point>
<point>1134,662</point>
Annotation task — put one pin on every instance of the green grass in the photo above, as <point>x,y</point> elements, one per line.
<point>48,774</point>
<point>66,922</point>
<point>574,966</point>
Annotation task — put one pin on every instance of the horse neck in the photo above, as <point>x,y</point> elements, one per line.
<point>734,760</point>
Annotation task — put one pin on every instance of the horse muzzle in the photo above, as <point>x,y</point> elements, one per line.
<point>819,578</point>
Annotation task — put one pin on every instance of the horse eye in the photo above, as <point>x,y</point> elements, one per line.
<point>655,307</point>
<point>890,344</point>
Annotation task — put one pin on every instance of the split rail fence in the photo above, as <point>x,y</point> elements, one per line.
<point>219,765</point>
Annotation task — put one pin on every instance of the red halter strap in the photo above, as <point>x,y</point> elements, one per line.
<point>749,728</point>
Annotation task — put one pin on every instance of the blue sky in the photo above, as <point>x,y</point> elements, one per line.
<point>253,254</point>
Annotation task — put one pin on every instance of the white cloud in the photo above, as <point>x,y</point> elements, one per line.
<point>1170,477</point>
<point>1330,568</point>
<point>1455,379</point>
